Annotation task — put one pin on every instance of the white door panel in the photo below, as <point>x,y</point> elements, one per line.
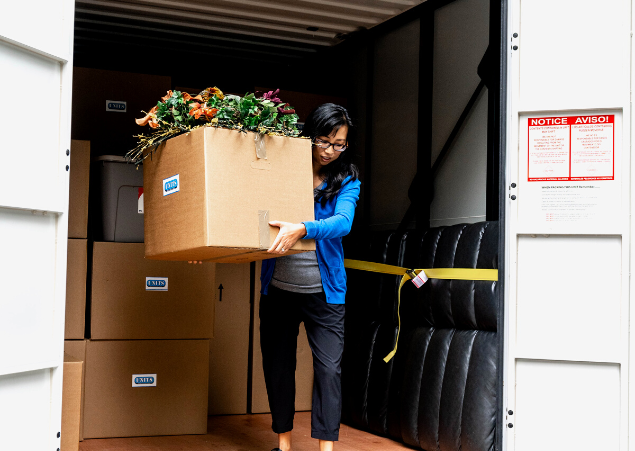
<point>26,425</point>
<point>40,25</point>
<point>568,306</point>
<point>568,252</point>
<point>28,243</point>
<point>590,391</point>
<point>33,175</point>
<point>571,54</point>
<point>36,38</point>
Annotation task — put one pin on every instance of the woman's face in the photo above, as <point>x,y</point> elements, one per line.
<point>322,157</point>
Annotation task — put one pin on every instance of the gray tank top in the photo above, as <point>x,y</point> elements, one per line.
<point>298,273</point>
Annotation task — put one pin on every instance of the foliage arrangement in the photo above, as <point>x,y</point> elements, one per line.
<point>179,112</point>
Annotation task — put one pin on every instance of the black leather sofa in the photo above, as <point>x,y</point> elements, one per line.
<point>440,390</point>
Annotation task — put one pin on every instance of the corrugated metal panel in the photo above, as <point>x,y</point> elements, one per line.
<point>286,29</point>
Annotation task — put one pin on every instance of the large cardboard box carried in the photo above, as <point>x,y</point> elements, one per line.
<point>145,388</point>
<point>71,403</point>
<point>76,290</point>
<point>135,298</point>
<point>209,195</point>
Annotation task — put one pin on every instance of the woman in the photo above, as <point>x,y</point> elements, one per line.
<point>311,286</point>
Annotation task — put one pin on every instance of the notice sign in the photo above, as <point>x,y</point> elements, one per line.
<point>569,175</point>
<point>571,148</point>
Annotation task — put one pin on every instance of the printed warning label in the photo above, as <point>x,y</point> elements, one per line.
<point>569,173</point>
<point>571,148</point>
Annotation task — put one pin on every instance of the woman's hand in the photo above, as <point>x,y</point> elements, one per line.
<point>288,235</point>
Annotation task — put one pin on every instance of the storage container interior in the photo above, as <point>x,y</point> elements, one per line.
<point>421,80</point>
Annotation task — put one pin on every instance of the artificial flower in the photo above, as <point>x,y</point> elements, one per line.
<point>209,112</point>
<point>272,95</point>
<point>167,96</point>
<point>195,110</point>
<point>188,97</point>
<point>282,110</point>
<point>151,116</point>
<point>209,92</point>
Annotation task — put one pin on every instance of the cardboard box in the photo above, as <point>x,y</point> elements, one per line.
<point>208,196</point>
<point>78,189</point>
<point>77,350</point>
<point>71,403</point>
<point>135,298</point>
<point>229,349</point>
<point>77,262</point>
<point>146,387</point>
<point>111,130</point>
<point>303,371</point>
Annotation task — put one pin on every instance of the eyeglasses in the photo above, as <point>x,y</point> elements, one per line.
<point>325,145</point>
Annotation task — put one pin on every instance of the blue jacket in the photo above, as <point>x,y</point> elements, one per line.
<point>332,222</point>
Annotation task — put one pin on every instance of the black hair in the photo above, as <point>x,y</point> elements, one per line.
<point>323,121</point>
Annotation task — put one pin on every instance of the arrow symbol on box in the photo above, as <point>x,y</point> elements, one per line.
<point>220,298</point>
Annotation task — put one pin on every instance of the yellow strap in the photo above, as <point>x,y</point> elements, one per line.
<point>433,273</point>
<point>374,267</point>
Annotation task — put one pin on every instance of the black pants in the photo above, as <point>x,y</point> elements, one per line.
<point>281,313</point>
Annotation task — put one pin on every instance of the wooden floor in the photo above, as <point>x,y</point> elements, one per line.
<point>244,433</point>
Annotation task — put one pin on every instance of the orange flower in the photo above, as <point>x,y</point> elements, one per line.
<point>209,92</point>
<point>167,96</point>
<point>195,110</point>
<point>187,97</point>
<point>150,118</point>
<point>209,112</point>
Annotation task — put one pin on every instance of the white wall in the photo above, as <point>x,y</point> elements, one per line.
<point>460,40</point>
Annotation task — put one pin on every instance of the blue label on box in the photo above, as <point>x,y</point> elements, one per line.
<point>144,380</point>
<point>171,185</point>
<point>116,106</point>
<point>156,284</point>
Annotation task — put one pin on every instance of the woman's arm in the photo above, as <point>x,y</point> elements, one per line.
<point>336,226</point>
<point>341,222</point>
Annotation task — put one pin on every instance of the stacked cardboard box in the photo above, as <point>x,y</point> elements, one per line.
<point>71,403</point>
<point>229,349</point>
<point>105,104</point>
<point>145,387</point>
<point>77,240</point>
<point>147,324</point>
<point>76,276</point>
<point>147,362</point>
<point>74,351</point>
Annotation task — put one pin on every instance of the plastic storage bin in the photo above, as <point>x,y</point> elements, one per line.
<point>121,188</point>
